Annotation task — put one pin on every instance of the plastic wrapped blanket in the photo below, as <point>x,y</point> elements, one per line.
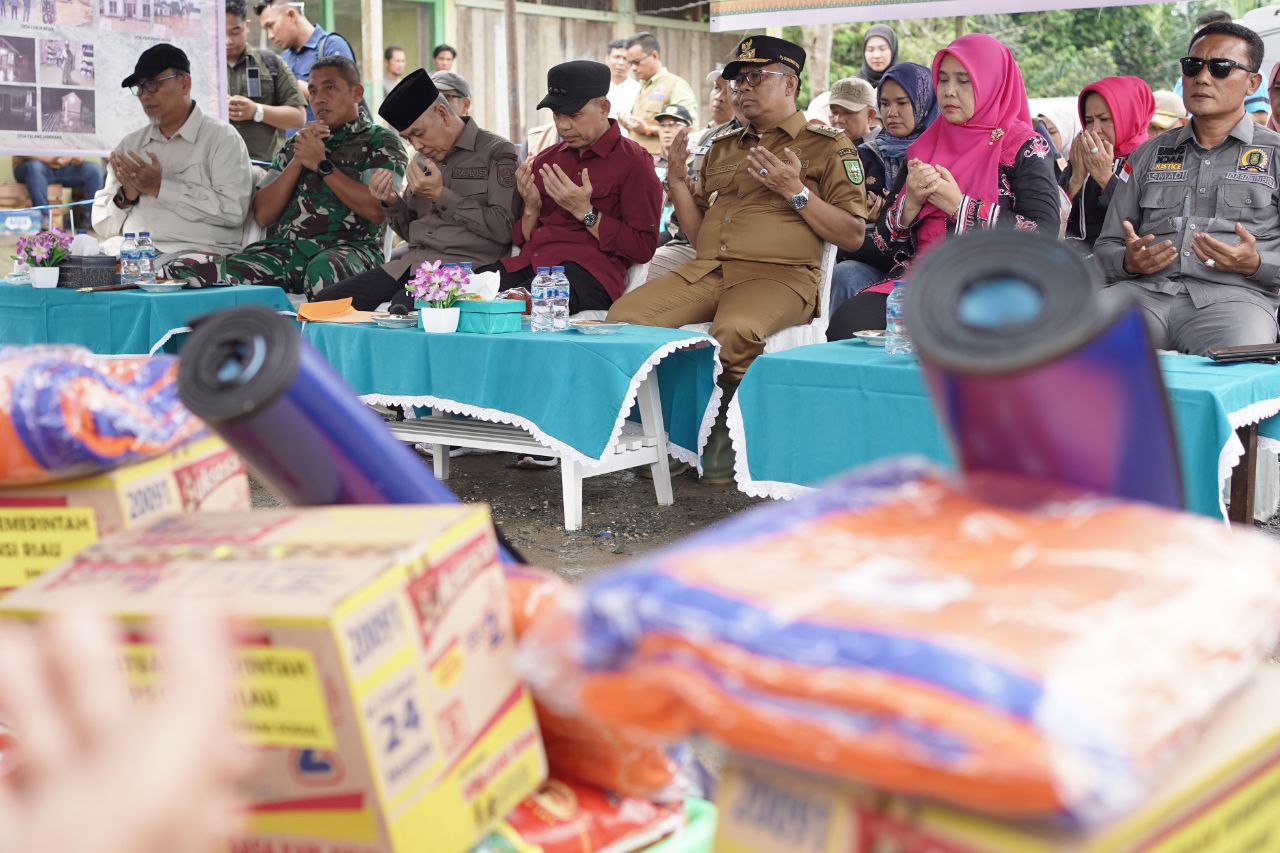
<point>584,749</point>
<point>919,636</point>
<point>65,412</point>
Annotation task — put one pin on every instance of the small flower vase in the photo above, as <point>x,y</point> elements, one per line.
<point>437,320</point>
<point>44,276</point>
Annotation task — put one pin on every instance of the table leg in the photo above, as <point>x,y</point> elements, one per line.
<point>1242,478</point>
<point>440,453</point>
<point>571,482</point>
<point>651,420</point>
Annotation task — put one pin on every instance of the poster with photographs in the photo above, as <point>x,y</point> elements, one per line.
<point>62,63</point>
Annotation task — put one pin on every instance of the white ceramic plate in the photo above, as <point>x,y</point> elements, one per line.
<point>596,327</point>
<point>395,321</point>
<point>162,287</point>
<point>874,337</point>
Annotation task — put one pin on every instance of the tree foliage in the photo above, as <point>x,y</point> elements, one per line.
<point>1060,52</point>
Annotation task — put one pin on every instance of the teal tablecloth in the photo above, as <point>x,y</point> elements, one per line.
<point>808,413</point>
<point>572,391</point>
<point>122,322</point>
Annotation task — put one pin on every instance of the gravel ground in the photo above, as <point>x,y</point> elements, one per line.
<point>620,517</point>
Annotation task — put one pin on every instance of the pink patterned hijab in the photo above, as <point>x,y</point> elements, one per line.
<point>974,151</point>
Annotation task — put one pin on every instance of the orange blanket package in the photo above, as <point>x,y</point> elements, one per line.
<point>579,748</point>
<point>65,412</point>
<point>996,645</point>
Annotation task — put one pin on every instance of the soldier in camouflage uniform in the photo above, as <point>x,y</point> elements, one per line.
<point>323,224</point>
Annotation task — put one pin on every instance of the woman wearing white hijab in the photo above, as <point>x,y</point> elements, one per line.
<point>1061,117</point>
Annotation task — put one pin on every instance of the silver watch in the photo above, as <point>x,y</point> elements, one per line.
<point>259,113</point>
<point>592,217</point>
<point>800,199</point>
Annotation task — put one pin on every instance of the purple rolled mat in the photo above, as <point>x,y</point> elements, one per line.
<point>1036,370</point>
<point>253,379</point>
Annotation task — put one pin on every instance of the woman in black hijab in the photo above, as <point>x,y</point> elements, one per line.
<point>879,52</point>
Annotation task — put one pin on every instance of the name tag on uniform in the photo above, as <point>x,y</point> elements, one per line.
<point>720,170</point>
<point>1167,177</point>
<point>467,173</point>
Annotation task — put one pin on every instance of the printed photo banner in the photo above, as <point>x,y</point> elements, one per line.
<point>737,15</point>
<point>62,61</point>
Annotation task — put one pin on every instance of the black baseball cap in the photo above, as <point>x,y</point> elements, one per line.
<point>676,112</point>
<point>570,85</point>
<point>764,50</point>
<point>411,97</point>
<point>155,60</point>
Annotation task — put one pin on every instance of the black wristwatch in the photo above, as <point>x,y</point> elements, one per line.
<point>592,217</point>
<point>122,201</point>
<point>324,168</point>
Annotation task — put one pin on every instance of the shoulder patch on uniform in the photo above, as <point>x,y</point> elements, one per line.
<point>846,152</point>
<point>725,134</point>
<point>853,170</point>
<point>506,172</point>
<point>822,129</point>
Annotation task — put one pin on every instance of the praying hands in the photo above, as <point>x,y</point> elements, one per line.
<point>137,176</point>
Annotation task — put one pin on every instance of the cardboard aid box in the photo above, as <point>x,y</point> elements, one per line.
<point>375,674</point>
<point>1223,796</point>
<point>42,525</point>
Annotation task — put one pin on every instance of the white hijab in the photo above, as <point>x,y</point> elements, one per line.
<point>1065,115</point>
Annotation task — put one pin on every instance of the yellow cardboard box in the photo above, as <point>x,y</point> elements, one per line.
<point>376,675</point>
<point>42,525</point>
<point>1224,796</point>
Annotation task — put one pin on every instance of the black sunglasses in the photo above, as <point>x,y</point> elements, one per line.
<point>1220,68</point>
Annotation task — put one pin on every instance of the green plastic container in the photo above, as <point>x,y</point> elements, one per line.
<point>490,317</point>
<point>698,835</point>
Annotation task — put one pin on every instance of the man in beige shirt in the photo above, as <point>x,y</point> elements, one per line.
<point>185,177</point>
<point>659,89</point>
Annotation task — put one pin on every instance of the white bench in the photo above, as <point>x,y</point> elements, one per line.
<point>636,449</point>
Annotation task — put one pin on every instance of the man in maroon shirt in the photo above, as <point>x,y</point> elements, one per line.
<point>576,212</point>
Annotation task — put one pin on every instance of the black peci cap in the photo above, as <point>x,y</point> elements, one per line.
<point>571,84</point>
<point>764,50</point>
<point>154,60</point>
<point>411,97</point>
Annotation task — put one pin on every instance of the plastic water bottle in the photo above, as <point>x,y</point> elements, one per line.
<point>146,259</point>
<point>559,300</point>
<point>896,341</point>
<point>540,290</point>
<point>129,259</point>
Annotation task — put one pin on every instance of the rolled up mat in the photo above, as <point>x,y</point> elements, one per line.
<point>1036,370</point>
<point>298,425</point>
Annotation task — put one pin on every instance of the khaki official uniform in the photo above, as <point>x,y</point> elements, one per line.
<point>758,262</point>
<point>656,94</point>
<point>472,219</point>
<point>277,88</point>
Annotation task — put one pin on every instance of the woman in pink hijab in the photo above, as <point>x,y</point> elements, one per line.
<point>1115,113</point>
<point>982,166</point>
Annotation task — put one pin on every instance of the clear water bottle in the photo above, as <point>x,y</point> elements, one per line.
<point>559,300</point>
<point>129,259</point>
<point>540,291</point>
<point>146,259</point>
<point>896,340</point>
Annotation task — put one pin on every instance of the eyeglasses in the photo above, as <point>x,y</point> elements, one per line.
<point>151,86</point>
<point>753,78</point>
<point>1220,68</point>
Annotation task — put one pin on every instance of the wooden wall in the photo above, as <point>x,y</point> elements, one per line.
<point>550,37</point>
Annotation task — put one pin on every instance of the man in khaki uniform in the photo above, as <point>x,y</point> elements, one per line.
<point>659,89</point>
<point>768,196</point>
<point>459,203</point>
<point>263,98</point>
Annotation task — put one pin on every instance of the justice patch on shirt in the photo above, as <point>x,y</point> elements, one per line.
<point>1169,159</point>
<point>853,169</point>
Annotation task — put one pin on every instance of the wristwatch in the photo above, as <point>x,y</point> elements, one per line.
<point>592,217</point>
<point>800,199</point>
<point>259,113</point>
<point>324,168</point>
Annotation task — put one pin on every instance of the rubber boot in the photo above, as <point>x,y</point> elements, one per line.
<point>717,456</point>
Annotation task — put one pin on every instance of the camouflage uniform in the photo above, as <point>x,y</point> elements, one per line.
<point>318,240</point>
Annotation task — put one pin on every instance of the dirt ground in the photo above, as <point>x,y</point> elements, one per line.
<point>620,516</point>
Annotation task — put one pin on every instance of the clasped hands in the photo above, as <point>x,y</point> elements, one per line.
<point>933,184</point>
<point>138,176</point>
<point>1143,256</point>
